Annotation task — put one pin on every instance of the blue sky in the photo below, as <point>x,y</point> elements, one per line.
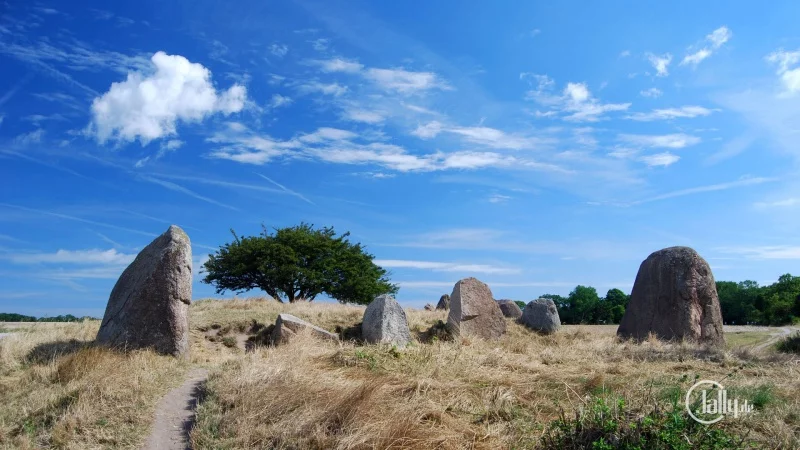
<point>533,145</point>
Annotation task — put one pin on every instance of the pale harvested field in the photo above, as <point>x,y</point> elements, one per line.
<point>56,391</point>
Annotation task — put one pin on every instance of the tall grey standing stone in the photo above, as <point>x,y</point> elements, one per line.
<point>149,305</point>
<point>541,315</point>
<point>287,326</point>
<point>473,311</point>
<point>674,297</point>
<point>510,308</point>
<point>385,322</point>
<point>444,302</point>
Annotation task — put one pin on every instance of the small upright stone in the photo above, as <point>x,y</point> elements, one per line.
<point>149,305</point>
<point>541,315</point>
<point>674,297</point>
<point>444,302</point>
<point>510,308</point>
<point>287,326</point>
<point>385,322</point>
<point>473,311</point>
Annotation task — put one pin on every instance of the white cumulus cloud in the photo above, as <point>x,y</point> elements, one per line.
<point>660,63</point>
<point>147,106</point>
<point>790,77</point>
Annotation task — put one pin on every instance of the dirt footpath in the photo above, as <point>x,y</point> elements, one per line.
<point>175,415</point>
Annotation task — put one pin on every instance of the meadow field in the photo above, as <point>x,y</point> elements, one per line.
<point>57,390</point>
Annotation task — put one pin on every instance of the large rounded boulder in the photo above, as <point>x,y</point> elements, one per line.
<point>541,315</point>
<point>149,305</point>
<point>675,298</point>
<point>444,303</point>
<point>385,322</point>
<point>509,308</point>
<point>473,311</point>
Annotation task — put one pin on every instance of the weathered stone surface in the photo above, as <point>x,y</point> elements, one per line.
<point>385,322</point>
<point>287,326</point>
<point>429,307</point>
<point>473,311</point>
<point>674,297</point>
<point>444,302</point>
<point>541,315</point>
<point>509,308</point>
<point>149,305</point>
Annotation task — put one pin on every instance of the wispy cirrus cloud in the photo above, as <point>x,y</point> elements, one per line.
<point>683,112</point>
<point>651,93</point>
<point>445,266</point>
<point>575,103</point>
<point>397,80</point>
<point>660,159</point>
<point>742,182</point>
<point>712,43</point>
<point>285,189</point>
<point>763,251</point>
<point>334,89</point>
<point>486,136</point>
<point>76,219</point>
<point>674,141</point>
<point>782,203</point>
<point>183,190</point>
<point>338,146</point>
<point>91,256</point>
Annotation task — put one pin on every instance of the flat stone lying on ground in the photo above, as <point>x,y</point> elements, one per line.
<point>473,311</point>
<point>428,307</point>
<point>385,322</point>
<point>675,298</point>
<point>509,308</point>
<point>287,326</point>
<point>541,315</point>
<point>149,305</point>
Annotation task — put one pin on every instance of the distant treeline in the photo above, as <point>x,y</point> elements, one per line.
<point>741,303</point>
<point>12,317</point>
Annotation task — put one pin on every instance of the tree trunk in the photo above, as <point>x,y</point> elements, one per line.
<point>273,293</point>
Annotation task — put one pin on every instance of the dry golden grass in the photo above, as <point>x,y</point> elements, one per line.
<point>57,391</point>
<point>465,394</point>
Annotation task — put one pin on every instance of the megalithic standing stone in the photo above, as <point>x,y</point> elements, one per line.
<point>149,305</point>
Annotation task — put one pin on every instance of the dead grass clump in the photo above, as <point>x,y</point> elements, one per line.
<point>437,393</point>
<point>437,332</point>
<point>59,391</point>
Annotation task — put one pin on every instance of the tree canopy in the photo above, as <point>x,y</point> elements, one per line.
<point>741,303</point>
<point>13,317</point>
<point>297,263</point>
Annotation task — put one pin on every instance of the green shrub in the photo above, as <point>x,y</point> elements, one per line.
<point>790,344</point>
<point>607,424</point>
